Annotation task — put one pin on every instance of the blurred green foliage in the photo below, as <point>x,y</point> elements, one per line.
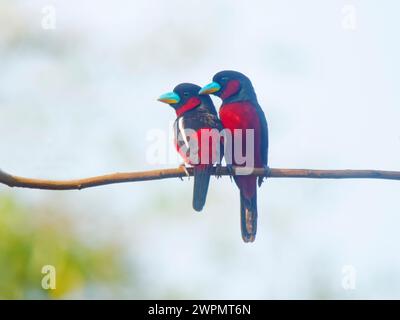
<point>31,239</point>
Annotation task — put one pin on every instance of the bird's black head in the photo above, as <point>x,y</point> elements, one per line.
<point>184,97</point>
<point>228,84</point>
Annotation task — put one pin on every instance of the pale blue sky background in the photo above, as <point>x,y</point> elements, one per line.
<point>79,100</point>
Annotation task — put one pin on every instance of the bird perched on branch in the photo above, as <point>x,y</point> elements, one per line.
<point>197,135</point>
<point>241,111</point>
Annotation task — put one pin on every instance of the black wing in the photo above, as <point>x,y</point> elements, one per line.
<point>264,140</point>
<point>264,135</point>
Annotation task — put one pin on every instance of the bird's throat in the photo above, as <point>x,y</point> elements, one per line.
<point>189,105</point>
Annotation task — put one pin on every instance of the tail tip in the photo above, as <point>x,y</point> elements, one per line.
<point>198,206</point>
<point>249,238</point>
<point>198,203</point>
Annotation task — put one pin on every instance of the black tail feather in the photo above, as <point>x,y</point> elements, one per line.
<point>248,217</point>
<point>202,174</point>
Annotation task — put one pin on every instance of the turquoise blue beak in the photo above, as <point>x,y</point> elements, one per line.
<point>210,88</point>
<point>170,98</point>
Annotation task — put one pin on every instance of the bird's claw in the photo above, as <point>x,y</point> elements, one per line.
<point>218,168</point>
<point>267,171</point>
<point>185,169</point>
<point>231,172</point>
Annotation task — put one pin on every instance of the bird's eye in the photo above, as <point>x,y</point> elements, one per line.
<point>224,79</point>
<point>186,94</point>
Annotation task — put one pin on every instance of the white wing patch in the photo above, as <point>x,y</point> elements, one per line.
<point>182,132</point>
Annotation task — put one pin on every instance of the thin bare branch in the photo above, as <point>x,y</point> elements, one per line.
<point>77,184</point>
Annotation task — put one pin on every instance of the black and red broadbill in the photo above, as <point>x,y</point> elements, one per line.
<point>197,135</point>
<point>240,110</point>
